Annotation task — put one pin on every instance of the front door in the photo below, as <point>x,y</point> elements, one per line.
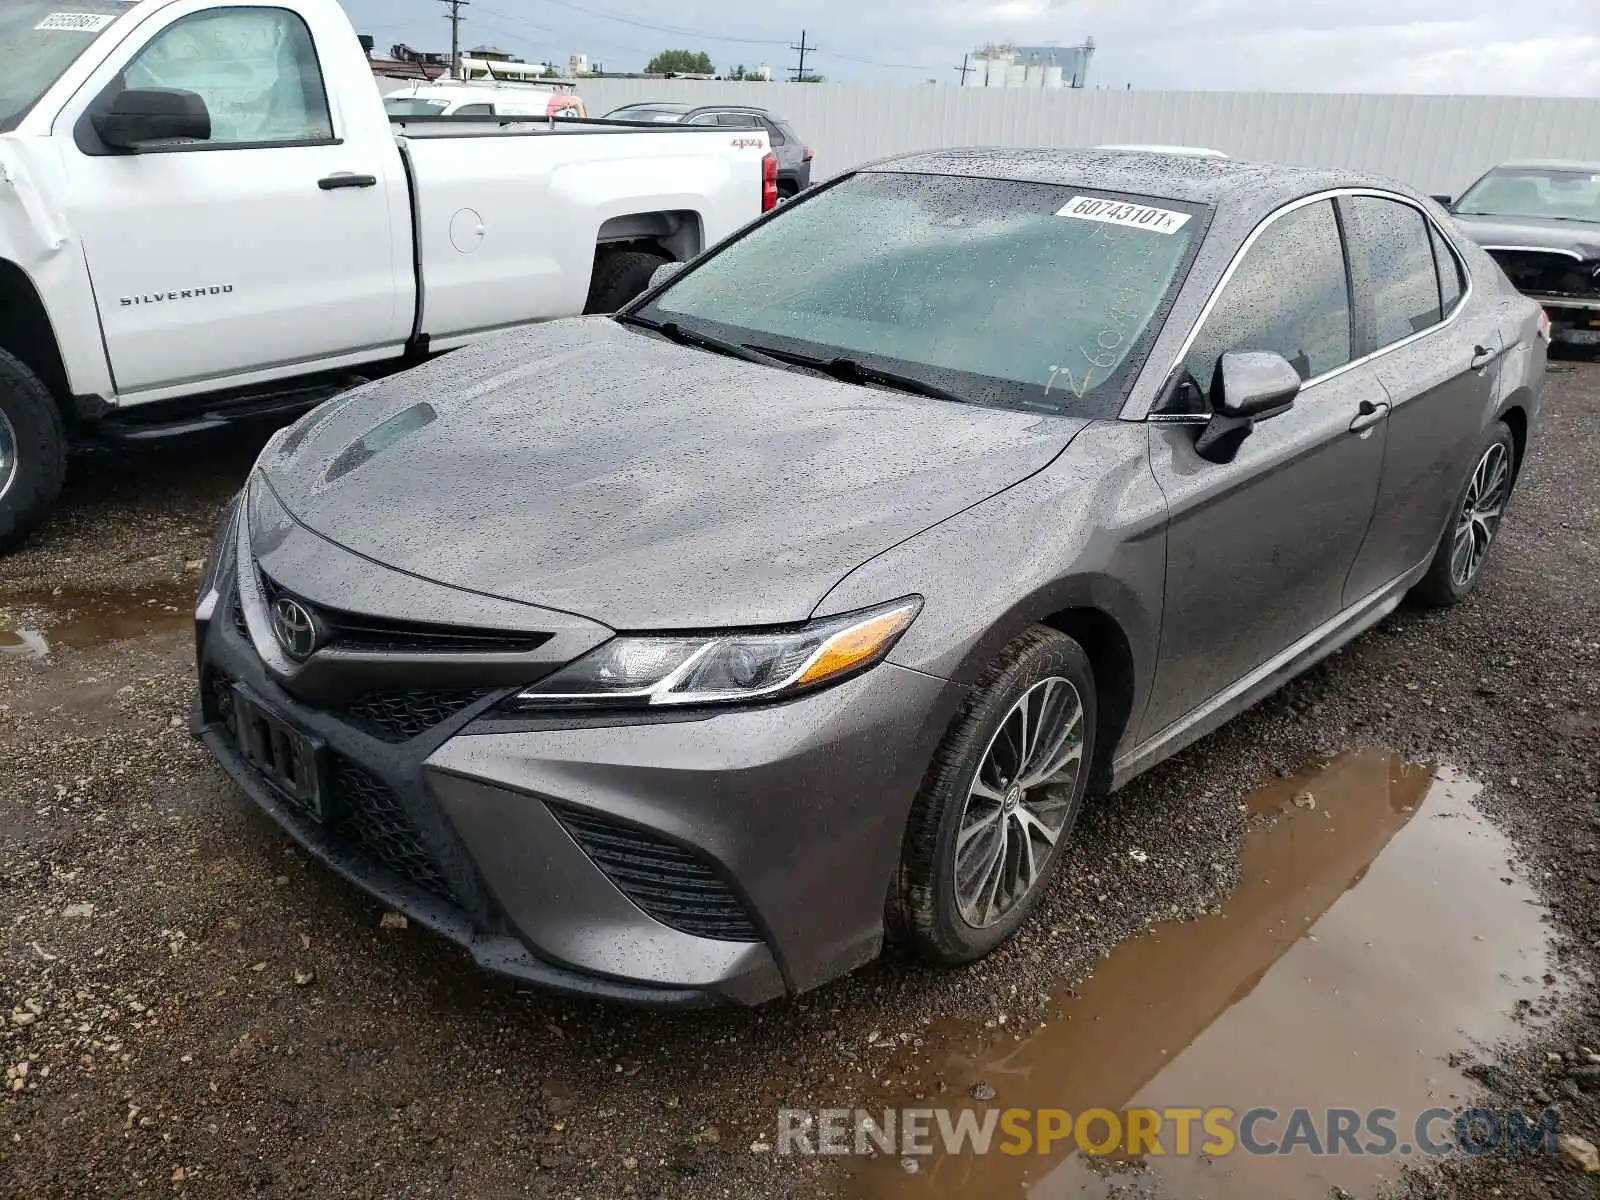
<point>247,252</point>
<point>1258,548</point>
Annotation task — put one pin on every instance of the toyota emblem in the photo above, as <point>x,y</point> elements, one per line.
<point>294,627</point>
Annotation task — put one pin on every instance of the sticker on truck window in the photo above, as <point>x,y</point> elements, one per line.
<point>1116,212</point>
<point>77,22</point>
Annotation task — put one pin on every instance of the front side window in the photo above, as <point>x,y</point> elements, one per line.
<point>1288,294</point>
<point>1391,258</point>
<point>255,68</point>
<point>1552,193</point>
<point>1023,294</point>
<point>38,42</point>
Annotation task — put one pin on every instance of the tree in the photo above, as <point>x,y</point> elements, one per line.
<point>680,62</point>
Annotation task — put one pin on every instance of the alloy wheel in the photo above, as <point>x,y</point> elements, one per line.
<point>1020,800</point>
<point>8,455</point>
<point>1479,519</point>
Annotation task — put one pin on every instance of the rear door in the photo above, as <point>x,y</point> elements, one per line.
<point>1438,357</point>
<point>251,252</point>
<point>1258,548</point>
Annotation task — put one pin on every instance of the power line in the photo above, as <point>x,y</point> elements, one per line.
<point>454,17</point>
<point>589,10</point>
<point>800,71</point>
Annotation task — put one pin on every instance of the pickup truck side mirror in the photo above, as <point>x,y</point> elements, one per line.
<point>664,272</point>
<point>1248,386</point>
<point>140,117</point>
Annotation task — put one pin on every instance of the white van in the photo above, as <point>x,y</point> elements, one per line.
<point>479,98</point>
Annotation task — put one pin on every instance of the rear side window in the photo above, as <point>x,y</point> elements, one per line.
<point>736,120</point>
<point>1391,258</point>
<point>775,132</point>
<point>1451,284</point>
<point>475,110</point>
<point>1289,294</point>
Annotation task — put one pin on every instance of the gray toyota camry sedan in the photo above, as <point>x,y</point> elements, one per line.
<point>690,654</point>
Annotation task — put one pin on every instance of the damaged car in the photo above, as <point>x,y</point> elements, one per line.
<point>692,654</point>
<point>1540,220</point>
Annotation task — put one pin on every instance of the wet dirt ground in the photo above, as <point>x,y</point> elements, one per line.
<point>189,1007</point>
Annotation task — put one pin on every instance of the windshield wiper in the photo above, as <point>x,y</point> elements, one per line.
<point>851,371</point>
<point>672,331</point>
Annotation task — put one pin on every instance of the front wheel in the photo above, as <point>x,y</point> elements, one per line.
<point>1474,522</point>
<point>33,451</point>
<point>998,803</point>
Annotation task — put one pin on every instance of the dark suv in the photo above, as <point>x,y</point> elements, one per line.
<point>794,156</point>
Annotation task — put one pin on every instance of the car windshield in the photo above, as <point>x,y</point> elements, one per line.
<point>1019,294</point>
<point>1562,194</point>
<point>38,41</point>
<point>413,106</point>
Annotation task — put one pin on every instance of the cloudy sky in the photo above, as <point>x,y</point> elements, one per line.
<point>1542,47</point>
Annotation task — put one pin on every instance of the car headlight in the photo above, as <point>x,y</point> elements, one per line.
<point>724,668</point>
<point>221,551</point>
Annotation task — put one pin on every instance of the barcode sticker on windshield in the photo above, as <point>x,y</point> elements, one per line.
<point>77,22</point>
<point>1116,212</point>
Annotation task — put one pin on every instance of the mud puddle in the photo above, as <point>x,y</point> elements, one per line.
<point>1377,928</point>
<point>36,625</point>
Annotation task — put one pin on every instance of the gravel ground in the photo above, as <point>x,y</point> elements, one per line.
<point>199,1010</point>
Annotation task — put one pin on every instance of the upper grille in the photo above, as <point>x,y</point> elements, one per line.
<point>399,716</point>
<point>369,815</point>
<point>1544,273</point>
<point>665,880</point>
<point>354,631</point>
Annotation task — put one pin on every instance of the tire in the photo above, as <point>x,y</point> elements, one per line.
<point>1444,583</point>
<point>925,909</point>
<point>33,451</point>
<point>619,276</point>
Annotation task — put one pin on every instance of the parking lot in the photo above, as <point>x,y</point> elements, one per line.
<point>194,1007</point>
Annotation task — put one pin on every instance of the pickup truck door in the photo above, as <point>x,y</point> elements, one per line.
<point>279,246</point>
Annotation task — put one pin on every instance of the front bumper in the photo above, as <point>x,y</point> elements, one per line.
<point>673,861</point>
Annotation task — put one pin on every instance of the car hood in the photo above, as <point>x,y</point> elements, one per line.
<point>1577,237</point>
<point>592,468</point>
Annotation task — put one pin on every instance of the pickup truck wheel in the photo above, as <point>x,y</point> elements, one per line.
<point>33,451</point>
<point>619,276</point>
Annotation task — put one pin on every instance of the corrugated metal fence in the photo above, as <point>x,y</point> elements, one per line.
<point>1436,143</point>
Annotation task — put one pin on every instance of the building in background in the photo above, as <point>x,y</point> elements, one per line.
<point>1000,64</point>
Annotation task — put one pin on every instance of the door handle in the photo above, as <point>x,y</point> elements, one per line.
<point>1368,415</point>
<point>1482,356</point>
<point>346,180</point>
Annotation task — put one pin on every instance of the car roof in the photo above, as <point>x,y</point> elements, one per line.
<point>678,106</point>
<point>1240,186</point>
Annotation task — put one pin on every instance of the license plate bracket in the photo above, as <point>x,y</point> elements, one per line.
<point>291,761</point>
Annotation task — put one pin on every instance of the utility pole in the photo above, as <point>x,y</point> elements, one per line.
<point>964,69</point>
<point>454,17</point>
<point>800,71</point>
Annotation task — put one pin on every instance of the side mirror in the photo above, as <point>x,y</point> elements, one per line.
<point>1444,200</point>
<point>1248,386</point>
<point>138,117</point>
<point>664,272</point>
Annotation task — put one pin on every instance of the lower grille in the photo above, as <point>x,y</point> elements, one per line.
<point>666,881</point>
<point>400,716</point>
<point>369,816</point>
<point>1542,273</point>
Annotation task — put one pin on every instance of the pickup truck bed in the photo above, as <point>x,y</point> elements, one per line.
<point>178,246</point>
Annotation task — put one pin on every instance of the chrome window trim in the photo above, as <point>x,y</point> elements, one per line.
<point>1538,250</point>
<point>1136,410</point>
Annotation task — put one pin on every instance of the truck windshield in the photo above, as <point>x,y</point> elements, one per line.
<point>1025,295</point>
<point>39,39</point>
<point>1559,194</point>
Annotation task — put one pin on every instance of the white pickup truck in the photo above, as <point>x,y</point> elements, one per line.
<point>205,212</point>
